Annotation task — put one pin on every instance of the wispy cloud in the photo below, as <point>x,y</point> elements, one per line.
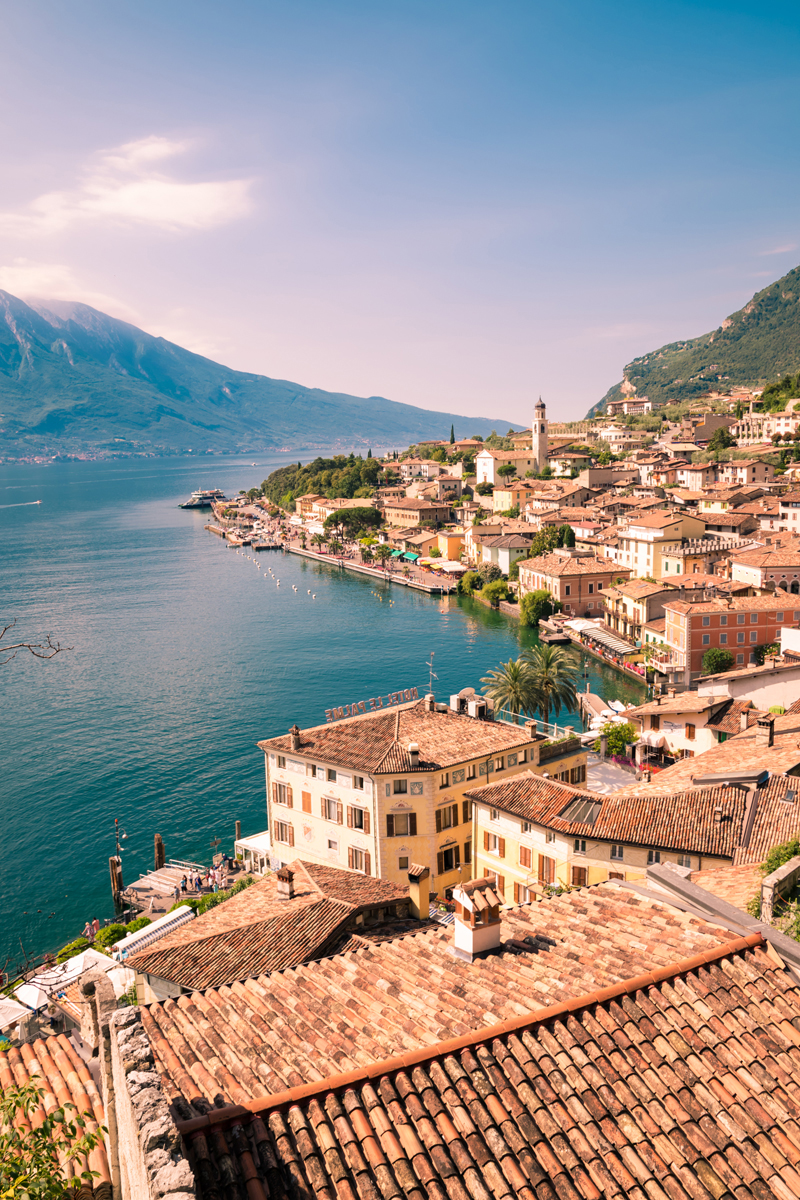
<point>129,185</point>
<point>56,281</point>
<point>780,249</point>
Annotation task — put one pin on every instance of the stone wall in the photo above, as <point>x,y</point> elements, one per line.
<point>151,1164</point>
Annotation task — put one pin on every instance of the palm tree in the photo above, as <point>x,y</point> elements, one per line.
<point>510,687</point>
<point>366,554</point>
<point>553,678</point>
<point>319,540</point>
<point>382,553</point>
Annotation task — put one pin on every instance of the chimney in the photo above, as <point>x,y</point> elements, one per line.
<point>671,693</point>
<point>477,924</point>
<point>413,754</point>
<point>765,730</point>
<point>531,728</point>
<point>419,891</point>
<point>743,721</point>
<point>294,737</point>
<point>429,702</point>
<point>285,890</point>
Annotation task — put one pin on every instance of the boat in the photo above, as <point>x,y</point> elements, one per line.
<point>203,498</point>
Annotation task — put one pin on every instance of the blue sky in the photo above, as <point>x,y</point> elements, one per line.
<point>458,205</point>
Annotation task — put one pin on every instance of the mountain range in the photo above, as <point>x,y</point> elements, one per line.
<point>752,347</point>
<point>74,380</point>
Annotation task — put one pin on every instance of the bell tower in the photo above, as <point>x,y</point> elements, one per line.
<point>539,444</point>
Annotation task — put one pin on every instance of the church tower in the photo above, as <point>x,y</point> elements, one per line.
<point>539,435</point>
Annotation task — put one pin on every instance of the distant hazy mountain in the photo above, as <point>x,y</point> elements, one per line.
<point>73,379</point>
<point>753,346</point>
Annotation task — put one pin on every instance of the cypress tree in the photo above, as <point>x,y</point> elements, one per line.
<point>452,434</point>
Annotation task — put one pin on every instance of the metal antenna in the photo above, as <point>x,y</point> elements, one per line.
<point>432,674</point>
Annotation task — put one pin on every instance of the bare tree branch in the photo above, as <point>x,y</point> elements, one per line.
<point>46,649</point>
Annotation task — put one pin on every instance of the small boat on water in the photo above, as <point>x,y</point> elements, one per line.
<point>203,498</point>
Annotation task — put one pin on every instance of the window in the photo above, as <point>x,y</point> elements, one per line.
<point>753,618</point>
<point>333,845</point>
<point>471,771</point>
<point>448,860</point>
<point>600,586</point>
<point>466,810</point>
<point>740,638</point>
<point>568,590</point>
<point>306,802</point>
<point>312,770</point>
<point>578,774</point>
<point>521,894</point>
<point>723,639</point>
<point>706,620</point>
<point>358,860</point>
<point>723,620</point>
<point>753,635</point>
<point>281,760</point>
<point>547,869</point>
<point>400,787</point>
<point>358,818</point>
<point>401,824</point>
<point>494,815</point>
<point>447,817</point>
<point>740,619</point>
<point>444,779</point>
<point>580,877</point>
<point>499,764</point>
<point>706,639</point>
<point>282,794</point>
<point>653,856</point>
<point>740,658</point>
<point>617,851</point>
<point>655,722</point>
<point>684,860</point>
<point>689,732</point>
<point>525,857</point>
<point>468,852</point>
<point>493,844</point>
<point>522,757</point>
<point>332,809</point>
<point>591,589</point>
<point>331,775</point>
<point>580,845</point>
<point>358,782</point>
<point>284,833</point>
<point>526,826</point>
<point>778,616</point>
<point>549,837</point>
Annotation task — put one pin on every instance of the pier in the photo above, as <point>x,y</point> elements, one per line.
<point>439,588</point>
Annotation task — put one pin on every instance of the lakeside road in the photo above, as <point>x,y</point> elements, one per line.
<point>423,581</point>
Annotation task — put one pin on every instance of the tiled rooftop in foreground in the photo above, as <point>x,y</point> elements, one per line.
<point>260,1036</point>
<point>680,1084</point>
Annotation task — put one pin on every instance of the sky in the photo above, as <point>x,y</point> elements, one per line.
<point>459,205</point>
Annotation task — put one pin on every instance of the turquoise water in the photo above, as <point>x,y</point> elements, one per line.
<point>184,656</point>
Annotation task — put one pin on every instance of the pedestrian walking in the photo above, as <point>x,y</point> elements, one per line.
<point>96,926</point>
<point>184,884</point>
<point>177,892</point>
<point>88,931</point>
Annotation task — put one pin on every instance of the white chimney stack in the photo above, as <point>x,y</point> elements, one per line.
<point>413,754</point>
<point>477,923</point>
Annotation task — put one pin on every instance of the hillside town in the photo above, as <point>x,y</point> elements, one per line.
<point>474,952</point>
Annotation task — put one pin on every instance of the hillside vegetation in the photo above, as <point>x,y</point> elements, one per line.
<point>339,477</point>
<point>74,380</point>
<point>759,343</point>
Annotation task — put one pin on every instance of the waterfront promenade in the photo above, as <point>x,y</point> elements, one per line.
<point>419,580</point>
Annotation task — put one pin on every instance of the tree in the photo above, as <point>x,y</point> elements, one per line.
<point>354,520</point>
<point>34,1145</point>
<point>569,537</point>
<point>509,687</point>
<point>717,659</point>
<point>46,649</point>
<point>721,440</point>
<point>618,736</point>
<point>488,572</point>
<point>469,582</point>
<point>604,458</point>
<point>554,678</point>
<point>435,552</point>
<point>369,452</point>
<point>484,489</point>
<point>495,591</point>
<point>382,553</point>
<point>535,606</point>
<point>452,435</point>
<point>506,470</point>
<point>319,540</point>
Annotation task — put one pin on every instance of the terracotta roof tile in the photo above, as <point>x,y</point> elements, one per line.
<point>377,742</point>
<point>53,1064</point>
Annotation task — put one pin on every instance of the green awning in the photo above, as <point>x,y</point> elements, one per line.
<point>396,553</point>
<point>411,557</point>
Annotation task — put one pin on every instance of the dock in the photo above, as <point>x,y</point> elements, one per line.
<point>154,892</point>
<point>216,529</point>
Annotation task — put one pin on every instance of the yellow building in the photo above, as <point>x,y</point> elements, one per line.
<point>532,832</point>
<point>383,784</point>
<point>451,543</point>
<point>629,606</point>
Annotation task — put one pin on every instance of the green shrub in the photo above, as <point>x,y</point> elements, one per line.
<point>489,572</point>
<point>106,937</point>
<point>754,906</point>
<point>779,855</point>
<point>71,949</point>
<point>469,582</point>
<point>536,606</point>
<point>717,659</point>
<point>494,592</point>
<point>139,923</point>
<point>619,736</point>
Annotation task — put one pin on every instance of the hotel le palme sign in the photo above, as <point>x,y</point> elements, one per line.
<point>374,704</point>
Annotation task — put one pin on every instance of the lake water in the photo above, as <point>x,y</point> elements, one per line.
<point>184,655</point>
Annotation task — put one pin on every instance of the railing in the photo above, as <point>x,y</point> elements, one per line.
<point>555,749</point>
<point>541,727</point>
